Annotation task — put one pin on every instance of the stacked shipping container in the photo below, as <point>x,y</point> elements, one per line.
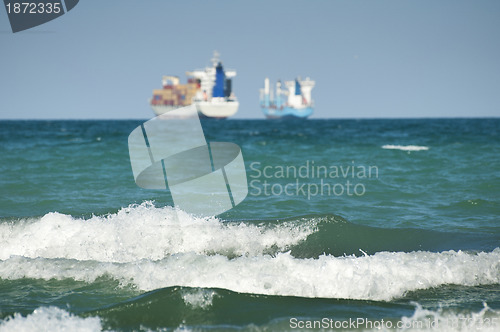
<point>176,94</point>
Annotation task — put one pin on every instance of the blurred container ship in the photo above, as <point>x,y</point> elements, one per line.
<point>209,89</point>
<point>295,102</point>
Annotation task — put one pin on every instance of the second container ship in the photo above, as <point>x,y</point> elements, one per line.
<point>293,102</point>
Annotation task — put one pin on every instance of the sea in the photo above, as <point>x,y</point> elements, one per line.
<point>348,225</point>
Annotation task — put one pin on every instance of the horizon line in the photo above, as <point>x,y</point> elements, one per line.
<point>307,119</point>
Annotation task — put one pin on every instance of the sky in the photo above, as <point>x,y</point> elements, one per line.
<point>370,59</point>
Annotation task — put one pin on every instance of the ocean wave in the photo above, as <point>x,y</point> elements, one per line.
<point>338,237</point>
<point>139,316</point>
<point>144,232</point>
<point>382,276</point>
<point>50,319</point>
<point>223,304</point>
<point>147,232</point>
<point>405,147</point>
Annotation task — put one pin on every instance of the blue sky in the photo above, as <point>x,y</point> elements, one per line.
<point>369,59</point>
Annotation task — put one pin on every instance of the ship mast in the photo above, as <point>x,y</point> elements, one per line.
<point>215,59</point>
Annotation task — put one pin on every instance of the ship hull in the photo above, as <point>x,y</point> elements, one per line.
<point>214,109</point>
<point>287,112</point>
<point>206,109</point>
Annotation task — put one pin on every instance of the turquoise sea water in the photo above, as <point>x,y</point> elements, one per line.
<point>386,221</point>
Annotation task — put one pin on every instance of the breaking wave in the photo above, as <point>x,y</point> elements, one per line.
<point>382,276</point>
<point>150,248</point>
<point>143,232</point>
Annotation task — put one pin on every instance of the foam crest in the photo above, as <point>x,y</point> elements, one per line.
<point>405,147</point>
<point>382,276</point>
<point>142,232</point>
<point>50,319</point>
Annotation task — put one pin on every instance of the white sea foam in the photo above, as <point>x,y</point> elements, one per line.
<point>199,298</point>
<point>142,232</point>
<point>405,147</point>
<point>382,276</point>
<point>50,319</point>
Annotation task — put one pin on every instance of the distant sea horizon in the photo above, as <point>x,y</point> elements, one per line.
<point>145,118</point>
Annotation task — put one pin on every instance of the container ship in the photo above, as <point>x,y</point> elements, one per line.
<point>209,89</point>
<point>293,102</point>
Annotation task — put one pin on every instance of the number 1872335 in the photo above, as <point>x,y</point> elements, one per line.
<point>34,8</point>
